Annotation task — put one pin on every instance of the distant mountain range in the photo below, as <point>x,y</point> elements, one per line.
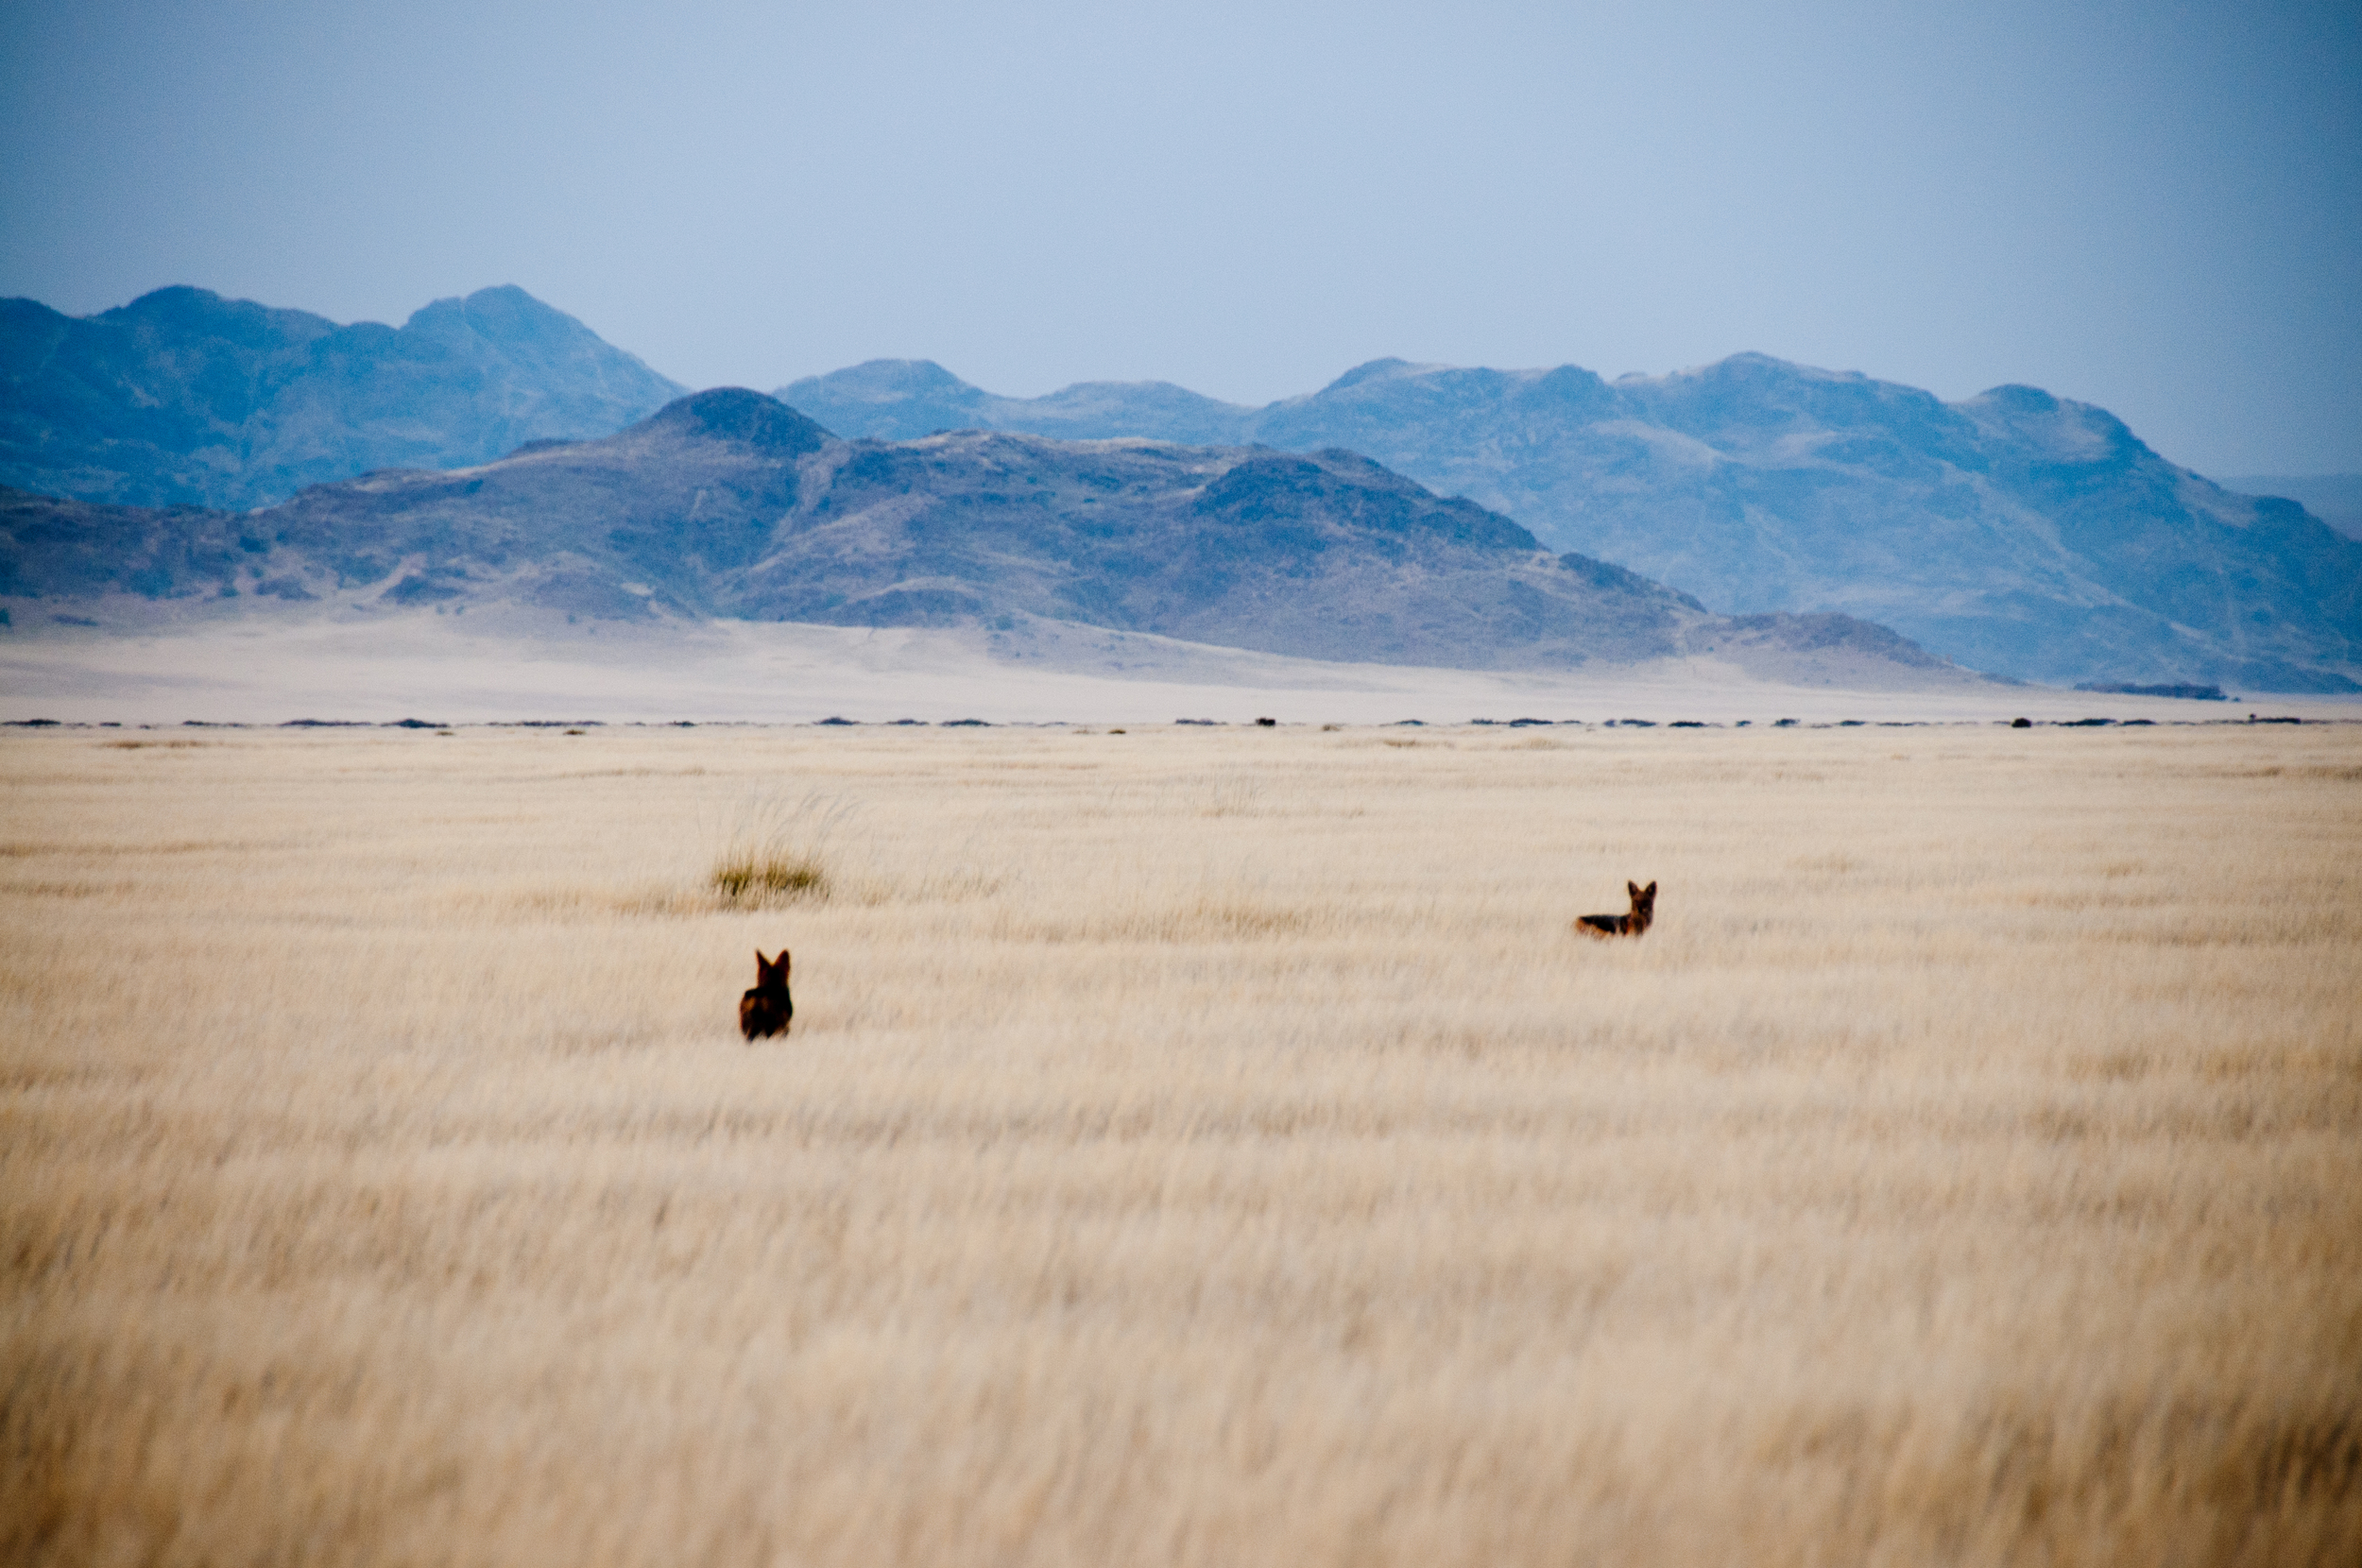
<point>182,398</point>
<point>2014,531</point>
<point>730,504</point>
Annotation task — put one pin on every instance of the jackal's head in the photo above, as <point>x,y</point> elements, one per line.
<point>1643,905</point>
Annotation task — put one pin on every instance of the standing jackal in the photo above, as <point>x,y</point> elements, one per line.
<point>767,1008</point>
<point>1643,911</point>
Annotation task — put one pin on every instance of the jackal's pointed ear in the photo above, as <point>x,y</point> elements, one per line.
<point>782,964</point>
<point>762,965</point>
<point>1648,892</point>
<point>1633,888</point>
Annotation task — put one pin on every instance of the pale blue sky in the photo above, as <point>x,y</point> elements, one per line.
<point>2156,207</point>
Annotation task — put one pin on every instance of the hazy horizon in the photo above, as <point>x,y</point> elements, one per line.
<point>2158,214</point>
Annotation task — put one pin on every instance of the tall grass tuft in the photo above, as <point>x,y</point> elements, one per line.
<point>751,878</point>
<point>775,853</point>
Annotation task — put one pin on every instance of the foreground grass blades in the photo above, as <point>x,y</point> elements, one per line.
<point>1194,1147</point>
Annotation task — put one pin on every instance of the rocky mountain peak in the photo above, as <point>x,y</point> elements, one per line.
<point>737,414</point>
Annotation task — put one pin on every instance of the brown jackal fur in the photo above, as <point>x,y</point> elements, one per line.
<point>767,1008</point>
<point>1643,911</point>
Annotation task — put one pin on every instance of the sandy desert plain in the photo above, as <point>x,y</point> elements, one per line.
<point>1195,1146</point>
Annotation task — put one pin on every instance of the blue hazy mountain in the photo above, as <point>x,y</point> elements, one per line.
<point>184,398</point>
<point>2014,531</point>
<point>2334,498</point>
<point>729,504</point>
<point>902,400</point>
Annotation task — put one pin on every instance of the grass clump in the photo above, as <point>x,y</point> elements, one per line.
<point>751,878</point>
<point>776,852</point>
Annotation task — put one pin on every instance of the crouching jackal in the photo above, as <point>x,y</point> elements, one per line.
<point>1643,911</point>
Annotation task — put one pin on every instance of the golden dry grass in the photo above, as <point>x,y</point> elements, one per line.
<point>1194,1147</point>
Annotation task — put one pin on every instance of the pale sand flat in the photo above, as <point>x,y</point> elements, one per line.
<point>143,666</point>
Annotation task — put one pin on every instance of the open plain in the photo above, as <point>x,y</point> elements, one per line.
<point>1204,1146</point>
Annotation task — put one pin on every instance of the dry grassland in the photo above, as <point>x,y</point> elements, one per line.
<point>1194,1147</point>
